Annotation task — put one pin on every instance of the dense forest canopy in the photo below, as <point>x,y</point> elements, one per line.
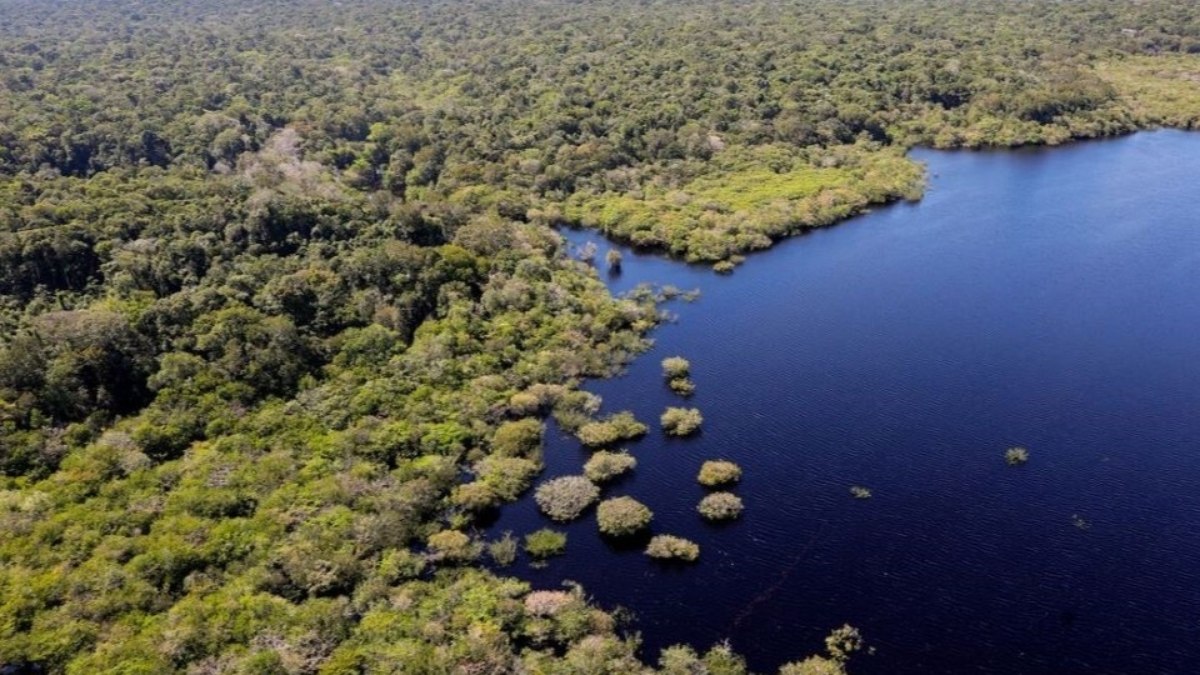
<point>282,308</point>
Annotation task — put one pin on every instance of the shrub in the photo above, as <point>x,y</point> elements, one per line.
<point>605,466</point>
<point>452,546</point>
<point>681,421</point>
<point>1016,456</point>
<point>719,472</point>
<point>860,492</point>
<point>622,516</point>
<point>720,506</point>
<point>613,257</point>
<point>682,386</point>
<point>507,476</point>
<point>565,498</point>
<point>504,550</point>
<point>723,267</point>
<point>667,547</point>
<point>545,543</point>
<point>619,427</point>
<point>475,496</point>
<point>675,367</point>
<point>522,438</point>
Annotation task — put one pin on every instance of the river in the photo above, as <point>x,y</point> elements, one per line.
<point>1048,298</point>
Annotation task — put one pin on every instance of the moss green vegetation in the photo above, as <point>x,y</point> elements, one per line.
<point>668,547</point>
<point>604,466</point>
<point>1016,456</point>
<point>282,309</point>
<point>1160,90</point>
<point>622,516</point>
<point>545,543</point>
<point>681,421</point>
<point>715,473</point>
<point>720,506</point>
<point>676,370</point>
<point>622,426</point>
<point>567,497</point>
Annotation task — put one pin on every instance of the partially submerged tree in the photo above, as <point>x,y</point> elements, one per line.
<point>622,516</point>
<point>681,421</point>
<point>565,498</point>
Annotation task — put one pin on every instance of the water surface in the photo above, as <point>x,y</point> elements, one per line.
<point>1044,298</point>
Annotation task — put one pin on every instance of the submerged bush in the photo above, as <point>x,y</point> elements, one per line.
<point>668,547</point>
<point>622,516</point>
<point>613,257</point>
<point>504,550</point>
<point>860,492</point>
<point>545,543</point>
<point>475,496</point>
<point>619,427</point>
<point>681,421</point>
<point>682,386</point>
<point>675,367</point>
<point>720,506</point>
<point>605,466</point>
<point>719,472</point>
<point>1016,456</point>
<point>521,438</point>
<point>565,498</point>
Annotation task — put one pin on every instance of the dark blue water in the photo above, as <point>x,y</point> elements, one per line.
<point>1046,298</point>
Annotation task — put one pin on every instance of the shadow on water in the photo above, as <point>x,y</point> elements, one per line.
<point>1043,298</point>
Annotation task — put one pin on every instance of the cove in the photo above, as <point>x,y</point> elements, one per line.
<point>1046,298</point>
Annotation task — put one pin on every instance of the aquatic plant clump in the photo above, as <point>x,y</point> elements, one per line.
<point>1016,456</point>
<point>668,547</point>
<point>676,367</point>
<point>721,506</point>
<point>504,550</point>
<point>681,421</point>
<point>619,427</point>
<point>714,473</point>
<point>682,386</point>
<point>860,492</point>
<point>605,465</point>
<point>565,498</point>
<point>545,543</point>
<point>622,516</point>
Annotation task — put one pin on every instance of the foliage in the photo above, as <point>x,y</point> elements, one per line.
<point>622,516</point>
<point>714,473</point>
<point>720,506</point>
<point>545,543</point>
<point>604,466</point>
<point>676,367</point>
<point>504,550</point>
<point>275,280</point>
<point>619,427</point>
<point>681,421</point>
<point>668,547</point>
<point>565,498</point>
<point>860,492</point>
<point>1016,456</point>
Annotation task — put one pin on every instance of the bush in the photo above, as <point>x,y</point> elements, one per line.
<point>565,498</point>
<point>682,386</point>
<point>667,547</point>
<point>681,421</point>
<point>605,466</point>
<point>507,476</point>
<point>719,472</point>
<point>504,550</point>
<point>860,492</point>
<point>622,516</point>
<point>720,506</point>
<point>1016,456</point>
<point>475,496</point>
<point>452,546</point>
<point>619,427</point>
<point>675,367</point>
<point>545,543</point>
<point>522,438</point>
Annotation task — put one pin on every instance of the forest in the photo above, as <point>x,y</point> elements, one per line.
<point>283,307</point>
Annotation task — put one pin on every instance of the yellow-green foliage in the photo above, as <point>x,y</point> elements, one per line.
<point>1162,89</point>
<point>622,516</point>
<point>718,472</point>
<point>746,197</point>
<point>668,547</point>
